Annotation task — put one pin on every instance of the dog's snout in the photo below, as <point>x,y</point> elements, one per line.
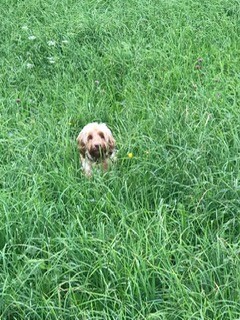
<point>96,145</point>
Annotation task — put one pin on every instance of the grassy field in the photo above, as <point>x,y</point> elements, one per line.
<point>156,237</point>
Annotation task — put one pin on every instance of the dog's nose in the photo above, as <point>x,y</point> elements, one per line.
<point>96,146</point>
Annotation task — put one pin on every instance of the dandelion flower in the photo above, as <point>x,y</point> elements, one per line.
<point>130,155</point>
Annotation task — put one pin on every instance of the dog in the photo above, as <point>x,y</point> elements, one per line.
<point>96,146</point>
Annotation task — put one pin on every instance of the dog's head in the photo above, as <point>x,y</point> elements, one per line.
<point>95,141</point>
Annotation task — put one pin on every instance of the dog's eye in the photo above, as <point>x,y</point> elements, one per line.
<point>90,137</point>
<point>101,135</point>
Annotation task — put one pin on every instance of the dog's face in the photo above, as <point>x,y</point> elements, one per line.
<point>95,141</point>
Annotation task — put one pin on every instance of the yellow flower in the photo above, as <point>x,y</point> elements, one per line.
<point>130,155</point>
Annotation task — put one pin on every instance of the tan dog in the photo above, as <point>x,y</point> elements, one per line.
<point>96,146</point>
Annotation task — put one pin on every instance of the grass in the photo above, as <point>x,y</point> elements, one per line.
<point>157,237</point>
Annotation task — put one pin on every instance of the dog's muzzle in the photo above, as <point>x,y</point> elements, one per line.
<point>96,153</point>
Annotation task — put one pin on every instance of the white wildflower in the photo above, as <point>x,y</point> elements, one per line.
<point>51,60</point>
<point>51,43</point>
<point>25,28</point>
<point>31,38</point>
<point>29,65</point>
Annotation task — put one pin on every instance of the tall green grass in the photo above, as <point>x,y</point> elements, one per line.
<point>156,237</point>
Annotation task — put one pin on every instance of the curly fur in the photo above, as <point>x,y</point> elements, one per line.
<point>96,146</point>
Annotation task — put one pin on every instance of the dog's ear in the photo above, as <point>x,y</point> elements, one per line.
<point>111,143</point>
<point>81,145</point>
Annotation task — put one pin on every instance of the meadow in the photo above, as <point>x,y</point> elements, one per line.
<point>156,237</point>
